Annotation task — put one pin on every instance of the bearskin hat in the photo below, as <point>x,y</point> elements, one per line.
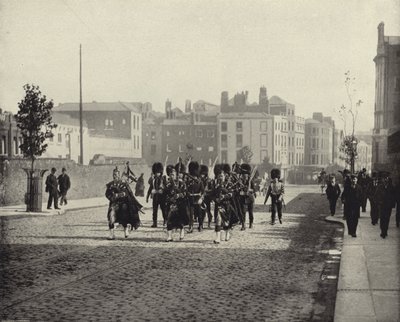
<point>246,168</point>
<point>275,173</point>
<point>169,169</point>
<point>194,168</point>
<point>157,168</point>
<point>226,168</point>
<point>236,168</point>
<point>180,167</point>
<point>204,170</point>
<point>217,170</point>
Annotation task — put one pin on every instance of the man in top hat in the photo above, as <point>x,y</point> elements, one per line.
<point>156,191</point>
<point>351,198</point>
<point>247,194</point>
<point>276,190</point>
<point>362,180</point>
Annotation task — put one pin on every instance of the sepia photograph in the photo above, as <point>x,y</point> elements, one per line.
<point>203,160</point>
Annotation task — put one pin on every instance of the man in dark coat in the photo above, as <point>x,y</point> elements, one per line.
<point>387,202</point>
<point>374,198</point>
<point>362,181</point>
<point>332,193</point>
<point>52,189</point>
<point>64,184</point>
<point>352,198</point>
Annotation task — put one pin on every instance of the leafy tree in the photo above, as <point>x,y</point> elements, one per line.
<point>35,122</point>
<point>245,154</point>
<point>348,113</point>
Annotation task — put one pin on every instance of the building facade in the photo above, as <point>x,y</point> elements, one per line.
<point>387,101</point>
<point>10,137</point>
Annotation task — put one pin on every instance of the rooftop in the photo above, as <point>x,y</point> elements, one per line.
<point>99,107</point>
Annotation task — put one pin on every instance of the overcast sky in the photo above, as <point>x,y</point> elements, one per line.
<point>154,50</point>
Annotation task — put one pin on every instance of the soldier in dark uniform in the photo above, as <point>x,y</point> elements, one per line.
<point>175,192</point>
<point>139,188</point>
<point>362,181</point>
<point>332,193</point>
<point>374,198</point>
<point>351,198</point>
<point>52,189</point>
<point>156,191</point>
<point>387,202</point>
<point>123,207</point>
<point>276,190</point>
<point>195,191</point>
<point>226,214</point>
<point>207,195</point>
<point>247,194</point>
<point>233,177</point>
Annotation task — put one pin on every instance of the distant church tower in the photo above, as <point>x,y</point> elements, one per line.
<point>263,99</point>
<point>224,99</point>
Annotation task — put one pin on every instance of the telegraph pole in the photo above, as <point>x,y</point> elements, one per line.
<point>80,106</point>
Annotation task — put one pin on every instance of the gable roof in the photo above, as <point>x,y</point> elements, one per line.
<point>98,107</point>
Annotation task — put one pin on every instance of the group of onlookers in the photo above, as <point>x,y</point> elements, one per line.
<point>357,189</point>
<point>57,187</point>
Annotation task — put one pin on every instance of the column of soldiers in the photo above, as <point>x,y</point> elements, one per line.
<point>185,198</point>
<point>378,189</point>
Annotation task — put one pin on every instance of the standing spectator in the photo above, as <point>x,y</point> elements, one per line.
<point>276,190</point>
<point>64,184</point>
<point>351,198</point>
<point>139,188</point>
<point>387,203</point>
<point>362,181</point>
<point>332,193</point>
<point>52,189</point>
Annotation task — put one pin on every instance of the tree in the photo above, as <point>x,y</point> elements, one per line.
<point>35,122</point>
<point>349,143</point>
<point>245,154</point>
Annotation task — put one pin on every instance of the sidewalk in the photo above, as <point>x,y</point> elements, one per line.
<point>369,276</point>
<point>77,204</point>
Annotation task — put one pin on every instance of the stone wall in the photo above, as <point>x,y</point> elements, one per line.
<point>86,181</point>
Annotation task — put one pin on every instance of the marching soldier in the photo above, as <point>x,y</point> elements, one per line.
<point>332,193</point>
<point>156,191</point>
<point>207,195</point>
<point>233,177</point>
<point>175,191</point>
<point>247,194</point>
<point>374,198</point>
<point>352,198</point>
<point>276,190</point>
<point>226,215</point>
<point>195,191</point>
<point>123,207</point>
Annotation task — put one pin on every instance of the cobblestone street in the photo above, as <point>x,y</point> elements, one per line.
<point>62,268</point>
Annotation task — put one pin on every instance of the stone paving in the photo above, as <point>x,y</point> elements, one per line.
<point>62,268</point>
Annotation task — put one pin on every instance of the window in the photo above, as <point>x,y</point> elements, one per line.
<point>239,127</point>
<point>224,126</point>
<point>397,88</point>
<point>239,140</point>
<point>106,123</point>
<point>51,138</point>
<point>134,122</point>
<point>59,138</point>
<point>180,148</point>
<point>137,142</point>
<point>3,149</point>
<point>123,121</point>
<point>263,140</point>
<point>263,126</point>
<point>224,141</point>
<point>15,145</point>
<point>134,142</point>
<point>210,149</point>
<point>180,133</point>
<point>167,148</point>
<point>138,124</point>
<point>167,133</point>
<point>263,155</point>
<point>210,133</point>
<point>224,156</point>
<point>199,133</point>
<point>153,135</point>
<point>198,148</point>
<point>111,123</point>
